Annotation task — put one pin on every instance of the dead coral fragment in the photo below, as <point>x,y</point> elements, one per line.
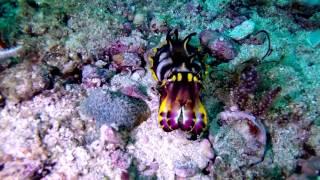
<point>7,53</point>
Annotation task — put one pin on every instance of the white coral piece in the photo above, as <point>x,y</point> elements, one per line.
<point>7,53</point>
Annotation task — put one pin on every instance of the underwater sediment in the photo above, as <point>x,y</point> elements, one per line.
<point>84,86</point>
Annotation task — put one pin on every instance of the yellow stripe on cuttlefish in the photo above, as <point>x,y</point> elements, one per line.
<point>190,77</point>
<point>179,77</point>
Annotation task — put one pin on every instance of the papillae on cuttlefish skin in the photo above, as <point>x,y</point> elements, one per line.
<point>178,67</point>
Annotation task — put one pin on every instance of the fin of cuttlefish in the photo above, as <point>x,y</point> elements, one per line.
<point>168,116</point>
<point>195,118</point>
<point>182,99</point>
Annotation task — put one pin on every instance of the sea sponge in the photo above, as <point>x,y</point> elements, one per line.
<point>115,109</point>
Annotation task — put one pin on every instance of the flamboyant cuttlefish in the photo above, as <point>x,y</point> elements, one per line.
<point>178,68</point>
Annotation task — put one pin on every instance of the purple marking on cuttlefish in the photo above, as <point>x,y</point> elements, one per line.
<point>165,126</point>
<point>187,125</point>
<point>173,124</point>
<point>198,127</point>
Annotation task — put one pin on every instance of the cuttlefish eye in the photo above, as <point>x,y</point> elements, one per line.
<point>178,67</point>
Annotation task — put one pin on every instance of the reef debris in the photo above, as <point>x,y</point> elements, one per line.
<point>12,52</point>
<point>93,76</point>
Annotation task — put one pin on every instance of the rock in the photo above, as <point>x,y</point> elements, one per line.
<point>120,159</point>
<point>108,135</point>
<point>127,27</point>
<point>314,140</point>
<point>151,169</point>
<point>243,30</point>
<point>135,43</point>
<point>313,38</point>
<point>173,152</point>
<point>100,63</point>
<point>206,149</point>
<point>185,169</point>
<point>69,67</point>
<point>138,19</point>
<point>158,24</point>
<point>19,168</point>
<point>93,76</point>
<point>117,47</point>
<point>255,39</point>
<point>129,86</point>
<point>126,61</point>
<point>58,57</point>
<point>310,166</point>
<point>115,109</point>
<point>287,143</point>
<point>220,46</point>
<point>24,81</point>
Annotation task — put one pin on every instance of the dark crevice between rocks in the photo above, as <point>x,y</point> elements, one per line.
<point>309,151</point>
<point>269,146</point>
<point>206,171</point>
<point>73,77</point>
<point>2,101</point>
<point>32,4</point>
<point>45,170</point>
<point>302,15</point>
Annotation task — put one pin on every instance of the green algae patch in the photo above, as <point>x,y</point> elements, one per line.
<point>8,19</point>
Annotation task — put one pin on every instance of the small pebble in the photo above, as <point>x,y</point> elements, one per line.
<point>107,134</point>
<point>313,38</point>
<point>243,30</point>
<point>185,169</point>
<point>205,148</point>
<point>100,63</point>
<point>138,19</point>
